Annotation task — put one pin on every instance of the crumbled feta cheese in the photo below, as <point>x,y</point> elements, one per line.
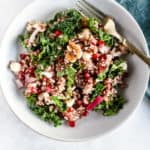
<point>48,74</point>
<point>86,56</point>
<point>15,67</point>
<point>104,49</point>
<point>85,34</point>
<point>124,66</point>
<point>45,96</point>
<point>70,102</point>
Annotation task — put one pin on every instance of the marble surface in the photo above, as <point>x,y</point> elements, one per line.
<point>14,135</point>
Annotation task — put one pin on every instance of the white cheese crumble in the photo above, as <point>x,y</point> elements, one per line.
<point>15,67</point>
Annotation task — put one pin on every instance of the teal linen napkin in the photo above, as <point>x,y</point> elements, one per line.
<point>140,9</point>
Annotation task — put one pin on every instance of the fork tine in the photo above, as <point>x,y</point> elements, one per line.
<point>83,10</point>
<point>88,11</point>
<point>92,9</point>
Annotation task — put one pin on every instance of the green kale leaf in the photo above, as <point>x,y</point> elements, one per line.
<point>43,111</point>
<point>97,91</point>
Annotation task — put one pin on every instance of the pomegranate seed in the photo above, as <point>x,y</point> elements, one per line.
<point>21,62</point>
<point>71,123</point>
<point>23,56</point>
<point>86,76</point>
<point>39,91</point>
<point>58,33</point>
<point>95,56</point>
<point>30,70</point>
<point>84,113</point>
<point>94,42</point>
<point>33,90</point>
<point>49,89</point>
<point>103,57</point>
<point>69,110</point>
<point>79,102</point>
<point>101,43</point>
<point>102,68</point>
<point>21,75</point>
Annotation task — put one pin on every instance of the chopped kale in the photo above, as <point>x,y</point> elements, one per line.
<point>111,107</point>
<point>107,38</point>
<point>59,103</point>
<point>116,68</point>
<point>43,111</point>
<point>97,90</point>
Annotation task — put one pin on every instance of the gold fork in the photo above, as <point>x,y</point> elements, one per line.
<point>89,10</point>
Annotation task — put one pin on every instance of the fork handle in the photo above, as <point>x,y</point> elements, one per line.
<point>111,29</point>
<point>138,52</point>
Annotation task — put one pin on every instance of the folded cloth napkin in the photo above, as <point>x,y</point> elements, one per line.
<point>140,9</point>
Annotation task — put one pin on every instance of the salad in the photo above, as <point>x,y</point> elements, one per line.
<point>70,67</point>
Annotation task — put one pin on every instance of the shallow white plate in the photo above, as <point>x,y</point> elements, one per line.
<point>95,124</point>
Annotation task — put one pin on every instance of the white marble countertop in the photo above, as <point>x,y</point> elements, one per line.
<point>14,135</point>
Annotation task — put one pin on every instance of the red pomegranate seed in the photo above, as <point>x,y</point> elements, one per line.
<point>30,70</point>
<point>58,33</point>
<point>95,56</point>
<point>101,43</point>
<point>33,90</point>
<point>71,123</point>
<point>103,57</point>
<point>86,76</point>
<point>102,68</point>
<point>79,102</point>
<point>23,56</point>
<point>84,113</point>
<point>21,62</point>
<point>21,75</point>
<point>49,89</point>
<point>69,109</point>
<point>39,91</point>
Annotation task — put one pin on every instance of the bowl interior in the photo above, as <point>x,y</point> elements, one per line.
<point>95,124</point>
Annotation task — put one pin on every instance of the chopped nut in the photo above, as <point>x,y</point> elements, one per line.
<point>73,53</point>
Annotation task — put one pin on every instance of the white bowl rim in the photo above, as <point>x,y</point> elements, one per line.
<point>92,137</point>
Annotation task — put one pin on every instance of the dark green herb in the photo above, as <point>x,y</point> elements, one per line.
<point>107,38</point>
<point>70,25</point>
<point>69,72</point>
<point>97,90</point>
<point>113,107</point>
<point>102,76</point>
<point>92,25</point>
<point>59,103</point>
<point>116,68</point>
<point>22,39</point>
<point>43,111</point>
<point>38,72</point>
